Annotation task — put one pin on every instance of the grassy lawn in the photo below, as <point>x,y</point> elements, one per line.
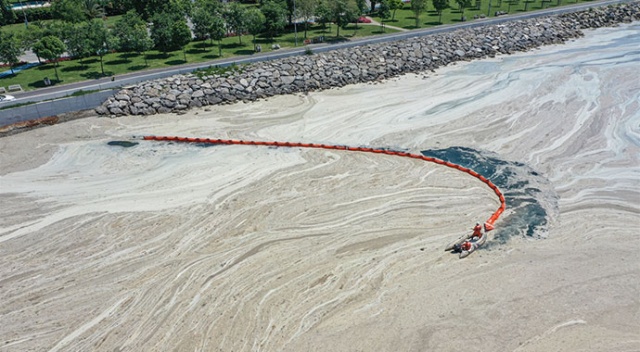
<point>405,18</point>
<point>19,28</point>
<point>120,63</point>
<point>14,28</point>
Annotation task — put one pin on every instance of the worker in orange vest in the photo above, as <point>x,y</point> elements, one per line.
<point>477,231</point>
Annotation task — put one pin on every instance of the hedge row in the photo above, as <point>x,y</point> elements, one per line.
<point>33,14</point>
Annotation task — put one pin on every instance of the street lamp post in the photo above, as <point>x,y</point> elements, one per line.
<point>26,22</point>
<point>295,24</point>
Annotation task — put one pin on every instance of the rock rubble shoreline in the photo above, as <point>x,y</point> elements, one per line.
<point>366,63</point>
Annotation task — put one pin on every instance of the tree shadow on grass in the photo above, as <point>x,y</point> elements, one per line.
<point>157,56</point>
<point>433,23</point>
<point>334,40</point>
<point>117,62</point>
<point>243,52</point>
<point>201,45</point>
<point>231,46</point>
<point>44,67</point>
<point>74,68</point>
<point>194,51</point>
<point>211,56</point>
<point>96,75</point>
<point>38,84</point>
<point>136,67</point>
<point>128,55</point>
<point>175,62</point>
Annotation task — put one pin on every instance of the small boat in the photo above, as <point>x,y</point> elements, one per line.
<point>475,244</point>
<point>460,246</point>
<point>457,242</point>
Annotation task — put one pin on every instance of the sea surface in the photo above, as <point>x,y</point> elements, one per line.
<point>140,245</point>
<point>529,195</point>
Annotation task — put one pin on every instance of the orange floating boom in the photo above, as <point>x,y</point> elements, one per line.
<point>488,225</point>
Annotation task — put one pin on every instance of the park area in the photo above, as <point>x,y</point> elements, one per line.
<point>310,26</point>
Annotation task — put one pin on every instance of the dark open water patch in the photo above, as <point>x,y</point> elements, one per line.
<point>124,144</point>
<point>532,203</point>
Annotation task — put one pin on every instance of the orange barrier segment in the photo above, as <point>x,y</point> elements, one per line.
<point>489,224</point>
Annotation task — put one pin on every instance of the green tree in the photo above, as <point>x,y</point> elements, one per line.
<point>440,5</point>
<point>31,36</point>
<point>98,40</point>
<point>289,5</point>
<point>68,10</point>
<point>306,10</point>
<point>214,7</point>
<point>418,7</point>
<point>384,11</point>
<point>343,12</point>
<point>130,34</point>
<point>463,4</point>
<point>202,17</point>
<point>58,29</point>
<point>77,10</point>
<point>7,16</point>
<point>10,49</point>
<point>323,13</point>
<point>77,40</point>
<point>117,7</point>
<point>373,5</point>
<point>50,48</point>
<point>92,9</point>
<point>255,23</point>
<point>40,29</point>
<point>234,15</point>
<point>275,15</point>
<point>170,32</point>
<point>202,21</point>
<point>218,32</point>
<point>395,5</point>
<point>362,6</point>
<point>526,4</point>
<point>149,8</point>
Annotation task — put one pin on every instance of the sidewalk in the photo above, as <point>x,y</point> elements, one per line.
<point>28,56</point>
<point>376,23</point>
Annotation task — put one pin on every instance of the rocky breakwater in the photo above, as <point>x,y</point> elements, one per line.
<point>359,64</point>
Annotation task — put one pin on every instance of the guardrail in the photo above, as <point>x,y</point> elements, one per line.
<point>53,107</point>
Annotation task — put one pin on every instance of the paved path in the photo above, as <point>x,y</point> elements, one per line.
<point>376,23</point>
<point>28,56</point>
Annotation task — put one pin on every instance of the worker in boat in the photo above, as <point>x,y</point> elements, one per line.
<point>477,231</point>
